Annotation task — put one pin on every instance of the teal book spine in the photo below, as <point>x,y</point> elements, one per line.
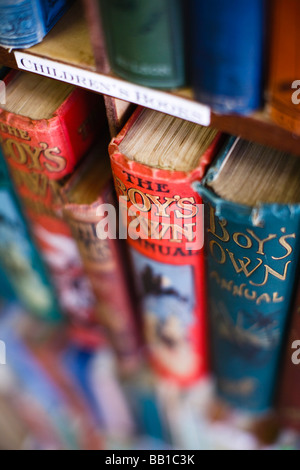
<point>19,258</point>
<point>251,263</point>
<point>145,41</point>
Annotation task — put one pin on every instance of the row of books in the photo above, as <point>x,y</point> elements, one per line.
<point>236,56</point>
<point>55,395</point>
<point>150,300</point>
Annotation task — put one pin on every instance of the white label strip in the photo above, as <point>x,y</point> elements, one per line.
<point>160,101</point>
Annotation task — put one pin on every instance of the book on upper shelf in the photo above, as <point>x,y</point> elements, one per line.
<point>46,127</point>
<point>225,49</point>
<point>284,70</point>
<point>143,40</point>
<point>252,213</point>
<point>86,197</point>
<point>24,23</point>
<point>19,258</point>
<point>155,159</point>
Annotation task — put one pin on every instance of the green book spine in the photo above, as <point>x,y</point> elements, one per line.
<point>144,40</point>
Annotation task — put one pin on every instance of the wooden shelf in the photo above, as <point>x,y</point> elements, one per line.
<point>67,48</point>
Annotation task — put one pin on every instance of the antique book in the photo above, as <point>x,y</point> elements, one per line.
<point>46,127</point>
<point>24,23</point>
<point>144,41</point>
<point>252,213</point>
<point>284,68</point>
<point>155,159</point>
<point>225,48</point>
<point>86,197</point>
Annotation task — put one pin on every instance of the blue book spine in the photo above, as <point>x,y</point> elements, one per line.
<point>226,40</point>
<point>19,258</point>
<point>24,23</point>
<point>251,255</point>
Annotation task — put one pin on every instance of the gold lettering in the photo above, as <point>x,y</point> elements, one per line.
<point>213,243</point>
<point>285,245</point>
<point>161,208</point>
<point>238,290</point>
<point>236,239</point>
<point>277,299</point>
<point>57,162</point>
<point>215,275</point>
<point>249,296</point>
<point>268,270</point>
<point>34,154</point>
<point>120,187</point>
<point>226,285</point>
<point>222,223</point>
<point>243,265</point>
<point>186,207</point>
<point>263,298</point>
<point>145,205</point>
<point>15,151</point>
<point>261,243</point>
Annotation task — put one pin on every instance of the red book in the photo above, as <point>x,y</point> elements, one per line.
<point>46,127</point>
<point>168,266</point>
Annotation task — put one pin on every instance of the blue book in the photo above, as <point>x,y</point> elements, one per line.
<point>225,48</point>
<point>19,259</point>
<point>24,23</point>
<point>252,252</point>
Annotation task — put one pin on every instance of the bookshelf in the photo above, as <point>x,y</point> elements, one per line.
<point>66,55</point>
<point>67,49</point>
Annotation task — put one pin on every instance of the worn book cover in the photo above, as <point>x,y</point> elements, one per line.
<point>252,221</point>
<point>166,254</point>
<point>86,198</point>
<point>40,153</point>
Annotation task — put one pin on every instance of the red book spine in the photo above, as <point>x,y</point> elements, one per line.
<point>40,153</point>
<point>170,277</point>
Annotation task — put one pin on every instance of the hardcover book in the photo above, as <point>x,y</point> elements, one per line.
<point>24,23</point>
<point>155,159</point>
<point>225,53</point>
<point>46,127</point>
<point>19,258</point>
<point>145,41</point>
<point>284,71</point>
<point>86,196</point>
<point>252,212</point>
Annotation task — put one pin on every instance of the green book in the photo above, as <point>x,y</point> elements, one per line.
<point>144,40</point>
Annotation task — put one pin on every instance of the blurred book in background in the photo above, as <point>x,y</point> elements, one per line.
<point>45,129</point>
